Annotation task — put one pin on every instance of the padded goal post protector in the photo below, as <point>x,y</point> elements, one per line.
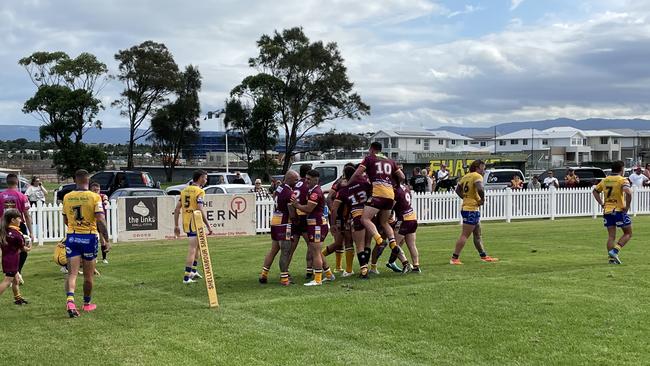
<point>208,276</point>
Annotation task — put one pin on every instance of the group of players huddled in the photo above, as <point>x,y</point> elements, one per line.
<point>370,202</point>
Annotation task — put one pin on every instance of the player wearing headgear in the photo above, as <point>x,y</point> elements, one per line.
<point>190,200</point>
<point>84,216</point>
<point>618,197</point>
<point>281,230</point>
<point>317,227</point>
<point>380,171</point>
<point>470,189</point>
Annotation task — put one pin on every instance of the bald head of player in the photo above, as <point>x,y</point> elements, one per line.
<point>81,178</point>
<point>291,178</point>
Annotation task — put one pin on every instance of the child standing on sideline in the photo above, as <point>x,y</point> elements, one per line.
<point>12,243</point>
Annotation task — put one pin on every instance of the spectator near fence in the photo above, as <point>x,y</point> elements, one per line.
<point>418,181</point>
<point>571,180</point>
<point>534,183</point>
<point>551,180</point>
<point>516,182</point>
<point>260,192</point>
<point>638,179</point>
<point>36,192</point>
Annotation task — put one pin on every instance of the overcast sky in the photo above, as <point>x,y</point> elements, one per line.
<point>417,63</point>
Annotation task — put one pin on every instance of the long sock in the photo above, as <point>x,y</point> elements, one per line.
<point>318,275</point>
<point>455,256</point>
<point>328,272</point>
<point>21,263</point>
<point>265,272</point>
<point>392,258</point>
<point>310,271</point>
<point>482,254</point>
<point>373,266</point>
<point>194,264</point>
<point>103,254</point>
<point>617,248</point>
<point>70,297</point>
<point>284,278</point>
<point>327,251</point>
<point>363,262</point>
<point>18,297</point>
<point>87,299</point>
<point>378,239</point>
<point>339,258</point>
<point>188,270</point>
<point>349,259</point>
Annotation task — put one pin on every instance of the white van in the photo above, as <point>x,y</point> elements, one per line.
<point>329,170</point>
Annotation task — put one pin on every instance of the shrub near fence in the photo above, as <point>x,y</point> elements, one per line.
<point>438,207</point>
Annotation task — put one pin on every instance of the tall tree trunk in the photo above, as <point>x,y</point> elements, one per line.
<point>129,159</point>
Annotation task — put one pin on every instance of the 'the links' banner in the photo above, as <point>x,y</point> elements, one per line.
<point>152,218</point>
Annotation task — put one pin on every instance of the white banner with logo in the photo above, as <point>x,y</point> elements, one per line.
<point>152,218</point>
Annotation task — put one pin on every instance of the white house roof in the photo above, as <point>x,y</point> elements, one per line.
<point>437,134</point>
<point>628,132</point>
<point>523,134</point>
<point>563,132</point>
<point>601,133</point>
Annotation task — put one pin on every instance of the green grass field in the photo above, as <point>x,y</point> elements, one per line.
<point>552,300</point>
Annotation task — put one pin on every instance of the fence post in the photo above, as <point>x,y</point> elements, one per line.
<point>41,223</point>
<point>552,201</point>
<point>113,208</point>
<point>635,200</point>
<point>508,204</point>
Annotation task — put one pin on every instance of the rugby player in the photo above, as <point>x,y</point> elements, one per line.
<point>190,200</point>
<point>281,230</point>
<point>380,171</point>
<point>354,196</point>
<point>470,189</point>
<point>342,236</point>
<point>406,225</point>
<point>13,198</point>
<point>95,187</point>
<point>84,216</point>
<point>618,197</point>
<point>299,219</point>
<point>317,227</point>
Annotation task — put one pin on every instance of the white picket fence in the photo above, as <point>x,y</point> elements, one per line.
<point>47,220</point>
<point>439,207</point>
<point>504,205</point>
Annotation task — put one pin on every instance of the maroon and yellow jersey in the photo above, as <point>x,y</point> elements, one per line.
<point>342,211</point>
<point>315,195</point>
<point>283,198</point>
<point>301,192</point>
<point>403,209</point>
<point>354,196</point>
<point>380,171</point>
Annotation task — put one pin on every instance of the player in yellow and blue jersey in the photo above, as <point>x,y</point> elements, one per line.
<point>190,200</point>
<point>470,189</point>
<point>618,196</point>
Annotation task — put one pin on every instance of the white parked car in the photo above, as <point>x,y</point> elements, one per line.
<point>500,178</point>
<point>228,189</point>
<point>329,170</point>
<point>219,178</point>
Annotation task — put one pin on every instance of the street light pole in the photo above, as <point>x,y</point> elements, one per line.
<point>227,156</point>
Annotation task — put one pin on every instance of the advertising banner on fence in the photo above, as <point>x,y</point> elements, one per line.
<point>152,218</point>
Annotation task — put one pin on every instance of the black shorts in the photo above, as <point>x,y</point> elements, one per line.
<point>10,274</point>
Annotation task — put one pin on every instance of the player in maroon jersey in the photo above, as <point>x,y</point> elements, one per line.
<point>342,235</point>
<point>406,225</point>
<point>299,218</point>
<point>281,231</point>
<point>317,227</point>
<point>380,171</point>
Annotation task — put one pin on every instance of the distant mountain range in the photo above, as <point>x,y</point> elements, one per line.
<point>118,135</point>
<point>586,124</point>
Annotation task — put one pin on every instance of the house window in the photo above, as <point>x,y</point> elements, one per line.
<point>418,141</point>
<point>426,144</point>
<point>524,142</point>
<point>544,142</point>
<point>453,142</point>
<point>576,141</point>
<point>584,142</point>
<point>441,142</point>
<point>615,142</point>
<point>502,142</point>
<point>394,142</point>
<point>474,142</point>
<point>514,142</point>
<point>604,140</point>
<point>465,142</point>
<point>483,143</point>
<point>394,156</point>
